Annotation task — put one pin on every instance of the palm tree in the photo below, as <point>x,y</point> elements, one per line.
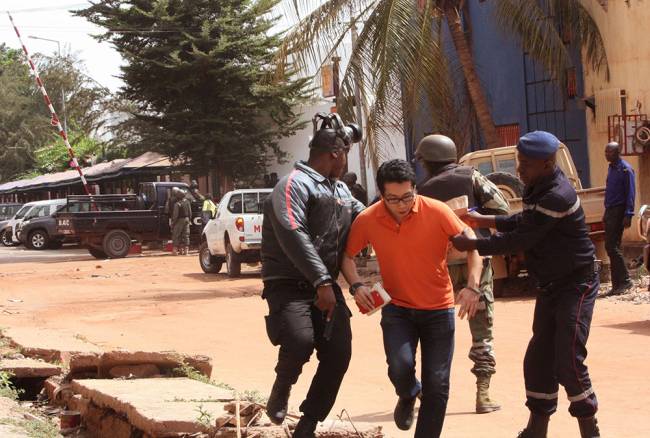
<point>400,64</point>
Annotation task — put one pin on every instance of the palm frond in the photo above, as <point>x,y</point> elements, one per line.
<point>538,33</point>
<point>577,20</point>
<point>317,35</point>
<point>397,63</point>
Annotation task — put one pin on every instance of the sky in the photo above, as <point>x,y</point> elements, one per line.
<point>51,19</point>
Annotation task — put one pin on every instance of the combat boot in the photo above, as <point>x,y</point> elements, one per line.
<point>589,427</point>
<point>537,427</point>
<point>306,428</point>
<point>277,405</point>
<point>483,402</point>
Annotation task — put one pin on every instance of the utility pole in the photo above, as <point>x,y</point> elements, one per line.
<point>357,102</point>
<point>58,43</point>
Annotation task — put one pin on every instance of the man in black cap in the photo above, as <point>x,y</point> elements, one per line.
<point>306,222</point>
<point>552,233</point>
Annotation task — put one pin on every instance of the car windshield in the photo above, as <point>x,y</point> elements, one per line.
<point>23,211</point>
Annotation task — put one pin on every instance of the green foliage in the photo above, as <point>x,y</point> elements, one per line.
<point>45,428</point>
<point>25,123</point>
<point>198,76</point>
<point>7,388</point>
<point>190,372</point>
<point>204,417</point>
<point>55,158</point>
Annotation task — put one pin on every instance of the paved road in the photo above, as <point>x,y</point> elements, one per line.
<point>20,254</point>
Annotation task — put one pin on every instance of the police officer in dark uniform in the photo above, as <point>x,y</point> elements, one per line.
<point>552,233</point>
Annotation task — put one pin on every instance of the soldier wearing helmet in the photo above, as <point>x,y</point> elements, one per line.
<point>447,180</point>
<point>180,218</point>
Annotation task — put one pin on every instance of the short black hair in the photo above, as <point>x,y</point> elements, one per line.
<point>394,171</point>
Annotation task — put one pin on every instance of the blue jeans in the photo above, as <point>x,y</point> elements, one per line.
<point>434,329</point>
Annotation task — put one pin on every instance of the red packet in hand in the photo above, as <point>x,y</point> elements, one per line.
<point>379,297</point>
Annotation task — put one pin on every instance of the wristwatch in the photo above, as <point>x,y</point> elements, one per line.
<point>354,287</point>
<point>475,290</point>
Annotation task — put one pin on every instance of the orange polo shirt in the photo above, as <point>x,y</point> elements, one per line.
<point>412,255</point>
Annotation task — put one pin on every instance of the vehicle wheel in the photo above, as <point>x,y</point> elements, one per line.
<point>511,186</point>
<point>233,265</point>
<point>209,263</point>
<point>5,238</point>
<point>38,240</point>
<point>56,244</point>
<point>97,253</point>
<point>117,244</point>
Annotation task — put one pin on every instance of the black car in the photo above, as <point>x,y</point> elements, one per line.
<point>38,228</point>
<point>7,211</point>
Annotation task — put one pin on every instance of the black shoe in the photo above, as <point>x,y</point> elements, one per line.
<point>621,289</point>
<point>537,427</point>
<point>404,413</point>
<point>305,428</point>
<point>276,407</point>
<point>589,427</point>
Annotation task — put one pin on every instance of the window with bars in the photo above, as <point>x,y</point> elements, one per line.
<point>508,134</point>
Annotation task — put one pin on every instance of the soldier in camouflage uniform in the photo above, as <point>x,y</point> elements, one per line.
<point>448,180</point>
<point>181,216</point>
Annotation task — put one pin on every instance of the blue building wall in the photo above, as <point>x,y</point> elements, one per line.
<point>518,91</point>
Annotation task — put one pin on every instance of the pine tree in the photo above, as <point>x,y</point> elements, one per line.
<point>199,73</point>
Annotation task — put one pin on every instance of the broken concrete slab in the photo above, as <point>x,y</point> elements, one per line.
<point>160,406</point>
<point>141,371</point>
<point>100,365</point>
<point>46,344</point>
<point>29,368</point>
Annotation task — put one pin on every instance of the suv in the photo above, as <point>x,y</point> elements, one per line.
<point>38,228</point>
<point>8,231</point>
<point>234,235</point>
<point>7,211</point>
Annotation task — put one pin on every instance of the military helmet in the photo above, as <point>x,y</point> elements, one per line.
<point>437,149</point>
<point>179,193</point>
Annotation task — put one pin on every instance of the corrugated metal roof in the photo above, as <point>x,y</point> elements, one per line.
<point>149,160</point>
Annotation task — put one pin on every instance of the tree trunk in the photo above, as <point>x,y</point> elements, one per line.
<point>471,78</point>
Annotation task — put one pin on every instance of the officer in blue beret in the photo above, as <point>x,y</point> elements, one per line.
<point>551,232</point>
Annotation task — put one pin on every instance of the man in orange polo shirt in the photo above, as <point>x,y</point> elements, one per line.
<point>410,235</point>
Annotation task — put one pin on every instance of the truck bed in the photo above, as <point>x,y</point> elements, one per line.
<point>141,223</point>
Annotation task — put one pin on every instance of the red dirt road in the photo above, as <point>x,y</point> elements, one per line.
<point>167,303</point>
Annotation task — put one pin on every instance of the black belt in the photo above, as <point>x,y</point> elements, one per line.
<point>583,272</point>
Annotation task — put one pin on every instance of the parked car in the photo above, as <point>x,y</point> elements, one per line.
<point>8,232</point>
<point>499,165</point>
<point>38,228</point>
<point>108,224</point>
<point>7,211</point>
<point>234,235</point>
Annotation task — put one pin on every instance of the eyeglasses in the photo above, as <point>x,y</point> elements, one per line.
<point>406,199</point>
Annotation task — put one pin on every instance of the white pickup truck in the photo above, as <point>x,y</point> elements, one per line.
<point>234,235</point>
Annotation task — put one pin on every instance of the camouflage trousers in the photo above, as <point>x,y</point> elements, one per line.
<point>181,233</point>
<point>482,351</point>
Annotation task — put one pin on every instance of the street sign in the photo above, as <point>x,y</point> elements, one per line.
<point>327,80</point>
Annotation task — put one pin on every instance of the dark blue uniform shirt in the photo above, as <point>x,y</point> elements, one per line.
<point>551,231</point>
<point>619,189</point>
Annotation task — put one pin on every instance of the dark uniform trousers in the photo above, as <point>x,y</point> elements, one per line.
<point>557,350</point>
<point>297,326</point>
<point>614,218</point>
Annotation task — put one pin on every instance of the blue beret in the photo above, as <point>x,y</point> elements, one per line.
<point>538,144</point>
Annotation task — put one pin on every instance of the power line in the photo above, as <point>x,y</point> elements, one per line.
<point>49,8</point>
